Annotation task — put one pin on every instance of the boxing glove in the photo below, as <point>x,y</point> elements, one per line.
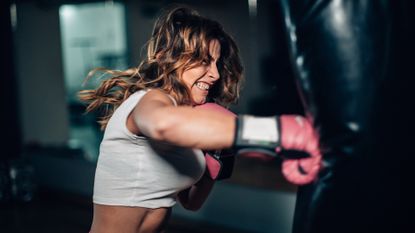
<point>290,137</point>
<point>219,163</point>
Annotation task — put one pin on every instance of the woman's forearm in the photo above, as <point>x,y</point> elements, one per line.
<point>194,197</point>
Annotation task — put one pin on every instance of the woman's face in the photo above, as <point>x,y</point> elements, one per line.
<point>201,78</point>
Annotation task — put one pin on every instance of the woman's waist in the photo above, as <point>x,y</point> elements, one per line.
<point>155,220</point>
<point>147,219</point>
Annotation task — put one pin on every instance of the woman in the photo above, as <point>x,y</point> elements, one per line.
<point>190,60</point>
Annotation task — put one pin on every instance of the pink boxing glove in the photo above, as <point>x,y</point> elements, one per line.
<point>291,137</point>
<point>219,163</point>
<point>298,135</point>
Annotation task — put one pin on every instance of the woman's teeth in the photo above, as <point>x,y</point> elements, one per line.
<point>202,86</point>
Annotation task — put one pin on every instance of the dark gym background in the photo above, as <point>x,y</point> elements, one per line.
<point>46,180</point>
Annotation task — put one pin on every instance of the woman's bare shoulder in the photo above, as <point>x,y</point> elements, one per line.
<point>157,95</point>
<point>152,100</point>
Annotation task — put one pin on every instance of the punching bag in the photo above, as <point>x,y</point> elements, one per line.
<point>352,71</point>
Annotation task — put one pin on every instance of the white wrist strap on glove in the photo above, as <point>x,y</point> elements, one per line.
<point>261,133</point>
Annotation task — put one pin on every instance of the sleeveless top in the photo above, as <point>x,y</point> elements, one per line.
<point>138,171</point>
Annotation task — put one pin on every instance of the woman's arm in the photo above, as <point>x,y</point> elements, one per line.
<point>194,197</point>
<point>155,116</point>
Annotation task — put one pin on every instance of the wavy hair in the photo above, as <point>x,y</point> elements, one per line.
<point>179,41</point>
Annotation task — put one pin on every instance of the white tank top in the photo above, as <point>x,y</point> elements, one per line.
<point>137,171</point>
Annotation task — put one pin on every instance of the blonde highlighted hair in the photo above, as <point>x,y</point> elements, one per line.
<point>179,41</point>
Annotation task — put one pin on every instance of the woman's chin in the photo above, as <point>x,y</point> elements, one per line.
<point>199,101</point>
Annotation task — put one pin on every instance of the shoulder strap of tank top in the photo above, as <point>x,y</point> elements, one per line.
<point>172,99</point>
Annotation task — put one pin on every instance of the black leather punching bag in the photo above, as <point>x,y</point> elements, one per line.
<point>352,68</point>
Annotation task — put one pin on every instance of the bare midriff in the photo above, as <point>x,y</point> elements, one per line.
<point>114,219</point>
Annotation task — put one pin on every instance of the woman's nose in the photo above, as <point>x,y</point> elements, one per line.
<point>213,71</point>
